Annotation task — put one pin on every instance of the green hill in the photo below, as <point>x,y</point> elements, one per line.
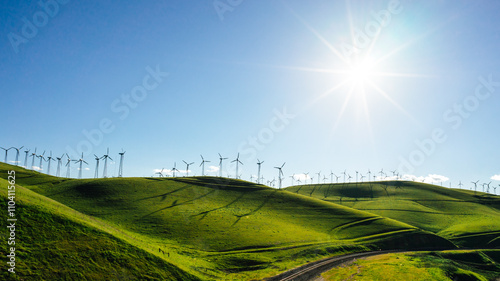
<point>467,218</point>
<point>203,227</point>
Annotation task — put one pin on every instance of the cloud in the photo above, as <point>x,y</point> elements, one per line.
<point>301,177</point>
<point>37,168</point>
<point>496,177</point>
<point>212,169</point>
<point>431,178</point>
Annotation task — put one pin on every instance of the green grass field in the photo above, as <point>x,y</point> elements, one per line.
<point>466,218</point>
<point>208,228</point>
<point>422,266</point>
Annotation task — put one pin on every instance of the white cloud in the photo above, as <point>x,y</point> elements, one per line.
<point>37,168</point>
<point>212,169</point>
<point>301,177</point>
<point>431,178</point>
<point>496,177</point>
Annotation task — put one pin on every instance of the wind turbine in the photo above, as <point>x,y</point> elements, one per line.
<point>293,178</point>
<point>81,161</point>
<point>344,174</point>
<point>319,176</point>
<point>324,179</point>
<point>187,167</point>
<point>488,190</point>
<point>337,178</point>
<point>475,186</point>
<point>17,155</point>
<point>105,157</point>
<point>460,184</point>
<point>33,155</point>
<point>362,177</point>
<point>220,164</point>
<point>203,165</point>
<point>6,151</point>
<point>280,173</point>
<point>41,158</point>
<point>258,173</point>
<point>369,175</point>
<point>26,158</point>
<point>160,173</point>
<point>174,169</point>
<point>96,173</point>
<point>237,160</point>
<point>120,169</point>
<point>349,178</point>
<point>68,165</point>
<point>495,188</point>
<point>381,173</point>
<point>48,160</point>
<point>59,162</point>
<point>357,176</point>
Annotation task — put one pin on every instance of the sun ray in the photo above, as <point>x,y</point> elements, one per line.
<point>344,106</point>
<point>414,40</point>
<point>366,110</point>
<point>326,93</point>
<point>316,33</point>
<point>399,107</point>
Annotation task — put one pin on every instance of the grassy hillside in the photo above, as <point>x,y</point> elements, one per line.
<point>215,228</point>
<point>54,242</point>
<point>445,266</point>
<point>467,218</point>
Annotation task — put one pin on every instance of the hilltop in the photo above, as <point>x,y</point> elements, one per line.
<point>215,228</point>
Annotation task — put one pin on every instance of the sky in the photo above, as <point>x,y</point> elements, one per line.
<point>322,86</point>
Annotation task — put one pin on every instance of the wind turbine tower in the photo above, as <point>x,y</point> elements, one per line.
<point>41,159</point>
<point>203,161</point>
<point>33,155</point>
<point>68,165</point>
<point>6,151</point>
<point>96,173</point>
<point>81,161</point>
<point>120,169</point>
<point>258,172</point>
<point>59,163</point>
<point>105,157</point>
<point>237,160</point>
<point>280,174</point>
<point>48,160</point>
<point>26,158</point>
<point>17,155</point>
<point>187,167</point>
<point>174,169</point>
<point>220,164</point>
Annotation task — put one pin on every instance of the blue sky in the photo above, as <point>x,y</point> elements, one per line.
<point>321,85</point>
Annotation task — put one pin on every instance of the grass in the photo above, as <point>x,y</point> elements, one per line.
<point>447,265</point>
<point>467,218</point>
<point>203,228</point>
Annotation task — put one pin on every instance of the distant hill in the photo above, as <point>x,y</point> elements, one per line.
<point>216,228</point>
<point>468,218</point>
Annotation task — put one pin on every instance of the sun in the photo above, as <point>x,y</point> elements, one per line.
<point>361,71</point>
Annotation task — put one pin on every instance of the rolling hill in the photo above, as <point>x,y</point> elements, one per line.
<point>468,218</point>
<point>210,228</point>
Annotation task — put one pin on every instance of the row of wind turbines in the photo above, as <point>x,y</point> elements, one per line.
<point>237,162</point>
<point>49,159</point>
<point>295,178</point>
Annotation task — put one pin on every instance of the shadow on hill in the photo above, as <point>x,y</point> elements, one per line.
<point>176,204</point>
<point>222,183</point>
<point>268,197</point>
